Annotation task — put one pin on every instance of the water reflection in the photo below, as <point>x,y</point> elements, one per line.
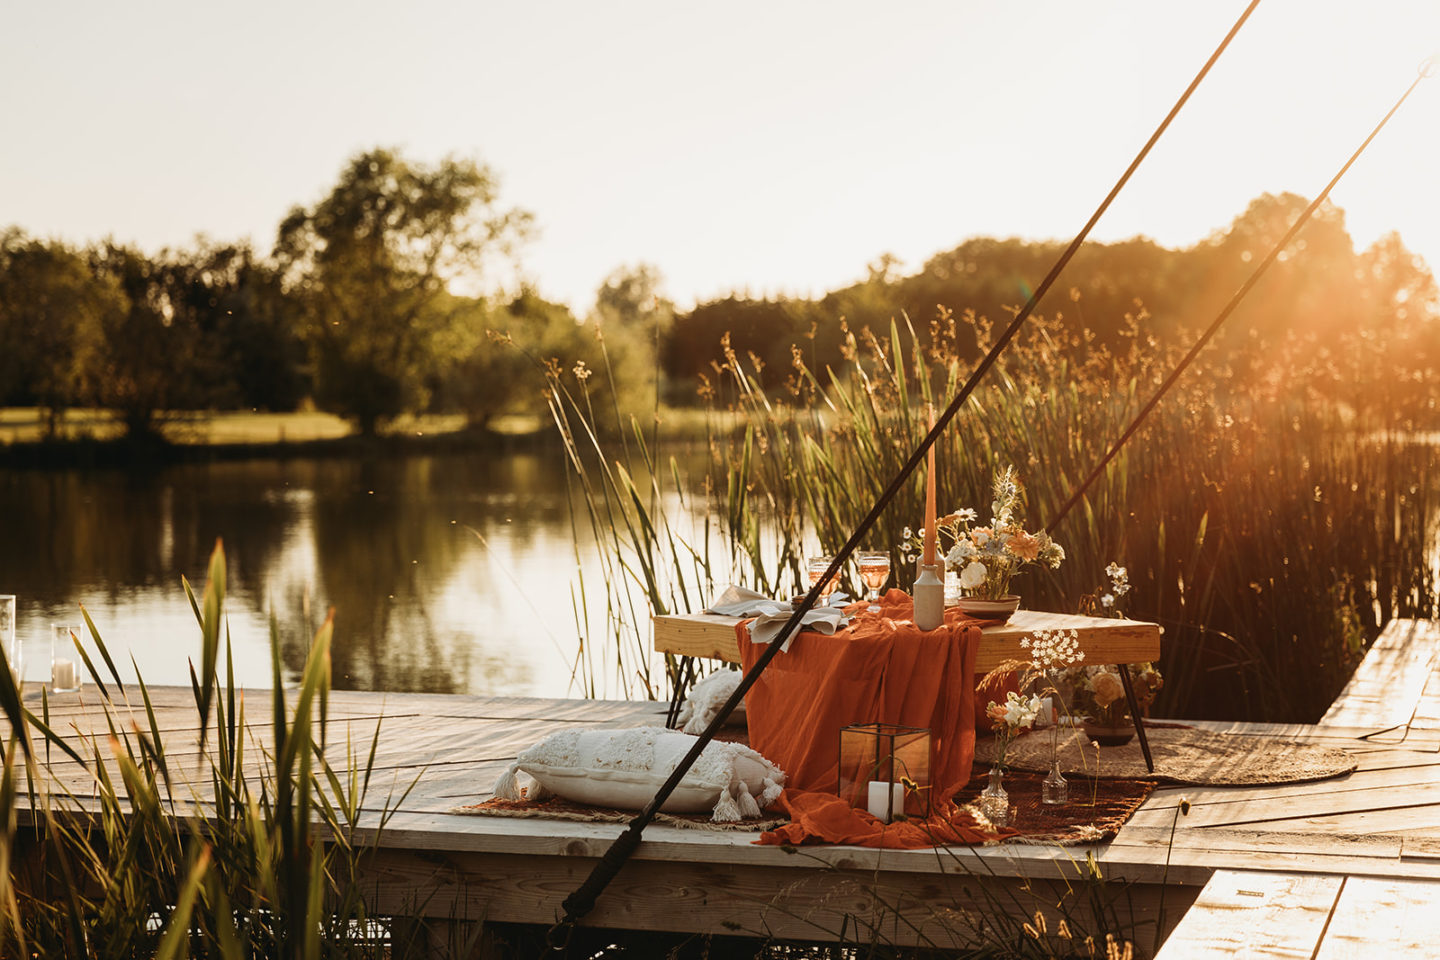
<point>421,602</point>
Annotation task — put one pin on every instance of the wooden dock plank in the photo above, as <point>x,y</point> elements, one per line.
<point>1395,919</point>
<point>457,746</point>
<point>1386,688</point>
<point>1234,806</point>
<point>1245,914</point>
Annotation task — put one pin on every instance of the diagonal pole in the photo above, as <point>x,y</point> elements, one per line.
<point>582,901</point>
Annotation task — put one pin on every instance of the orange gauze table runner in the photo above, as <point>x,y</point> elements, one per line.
<point>882,668</point>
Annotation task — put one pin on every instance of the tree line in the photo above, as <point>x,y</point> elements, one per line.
<point>374,302</point>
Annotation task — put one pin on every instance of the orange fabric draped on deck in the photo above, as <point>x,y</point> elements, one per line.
<point>881,669</point>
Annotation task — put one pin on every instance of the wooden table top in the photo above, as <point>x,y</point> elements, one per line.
<point>1103,640</point>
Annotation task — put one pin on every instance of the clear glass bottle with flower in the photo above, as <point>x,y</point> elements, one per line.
<point>1008,719</point>
<point>1052,653</point>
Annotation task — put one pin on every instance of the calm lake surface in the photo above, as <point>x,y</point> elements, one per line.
<point>422,603</point>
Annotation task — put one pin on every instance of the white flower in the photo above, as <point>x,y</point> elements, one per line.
<point>973,575</point>
<point>966,514</point>
<point>1017,712</point>
<point>907,535</point>
<point>1107,601</point>
<point>962,551</point>
<point>1116,572</point>
<point>1054,649</point>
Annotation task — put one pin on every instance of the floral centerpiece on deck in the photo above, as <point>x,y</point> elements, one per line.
<point>1099,694</point>
<point>986,557</point>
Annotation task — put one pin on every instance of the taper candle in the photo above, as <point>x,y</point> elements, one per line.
<point>928,554</point>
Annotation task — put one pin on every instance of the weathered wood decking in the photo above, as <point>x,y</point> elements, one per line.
<point>1378,826</point>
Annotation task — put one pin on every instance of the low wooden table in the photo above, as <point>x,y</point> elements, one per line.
<point>1104,641</point>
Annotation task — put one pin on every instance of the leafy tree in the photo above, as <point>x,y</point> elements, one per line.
<point>370,266</point>
<point>51,307</point>
<point>634,318</point>
<point>252,352</point>
<point>153,356</point>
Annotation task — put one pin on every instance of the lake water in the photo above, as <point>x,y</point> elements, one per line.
<point>422,603</point>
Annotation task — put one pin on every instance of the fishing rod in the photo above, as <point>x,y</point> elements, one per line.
<point>582,901</point>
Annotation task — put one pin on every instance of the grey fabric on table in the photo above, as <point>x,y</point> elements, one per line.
<point>771,615</point>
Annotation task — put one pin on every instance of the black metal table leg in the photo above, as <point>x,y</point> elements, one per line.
<point>684,674</point>
<point>1135,714</point>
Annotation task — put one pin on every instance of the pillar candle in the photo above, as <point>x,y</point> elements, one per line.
<point>884,797</point>
<point>62,674</point>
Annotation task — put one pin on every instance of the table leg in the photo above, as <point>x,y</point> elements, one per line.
<point>684,674</point>
<point>1135,714</point>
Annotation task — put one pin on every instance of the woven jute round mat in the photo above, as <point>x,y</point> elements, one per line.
<point>1182,755</point>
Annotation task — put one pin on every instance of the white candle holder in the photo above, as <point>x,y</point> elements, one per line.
<point>64,661</point>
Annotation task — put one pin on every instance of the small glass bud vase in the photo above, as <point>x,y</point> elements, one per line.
<point>994,801</point>
<point>1054,790</point>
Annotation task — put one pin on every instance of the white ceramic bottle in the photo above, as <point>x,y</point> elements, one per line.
<point>929,596</point>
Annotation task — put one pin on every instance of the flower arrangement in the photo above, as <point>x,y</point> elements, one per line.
<point>1052,652</point>
<point>1008,719</point>
<point>1100,695</point>
<point>1098,692</point>
<point>987,557</point>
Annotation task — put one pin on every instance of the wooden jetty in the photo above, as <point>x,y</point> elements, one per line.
<point>1336,868</point>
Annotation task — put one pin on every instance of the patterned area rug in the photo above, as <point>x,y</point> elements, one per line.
<point>1182,755</point>
<point>1095,811</point>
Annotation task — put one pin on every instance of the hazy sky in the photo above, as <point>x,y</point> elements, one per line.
<point>770,147</point>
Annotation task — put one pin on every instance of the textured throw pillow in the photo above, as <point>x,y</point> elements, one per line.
<point>705,700</point>
<point>624,769</point>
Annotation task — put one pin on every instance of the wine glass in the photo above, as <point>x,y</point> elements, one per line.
<point>874,570</point>
<point>816,567</point>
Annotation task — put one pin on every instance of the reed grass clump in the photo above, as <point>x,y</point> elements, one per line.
<point>1270,523</point>
<point>142,841</point>
<point>1275,510</point>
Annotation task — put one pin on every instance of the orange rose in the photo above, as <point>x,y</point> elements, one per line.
<point>1025,546</point>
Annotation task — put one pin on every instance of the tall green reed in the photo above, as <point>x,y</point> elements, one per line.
<point>1274,511</point>
<point>1266,527</point>
<point>208,842</point>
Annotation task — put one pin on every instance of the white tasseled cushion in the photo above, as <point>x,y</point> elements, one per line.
<point>706,698</point>
<point>624,769</point>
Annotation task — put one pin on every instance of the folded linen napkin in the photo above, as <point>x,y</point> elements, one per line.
<point>772,615</point>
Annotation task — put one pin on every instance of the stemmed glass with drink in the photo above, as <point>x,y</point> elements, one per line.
<point>874,571</point>
<point>816,567</point>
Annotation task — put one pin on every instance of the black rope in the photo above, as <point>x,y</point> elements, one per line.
<point>582,901</point>
<point>1426,69</point>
